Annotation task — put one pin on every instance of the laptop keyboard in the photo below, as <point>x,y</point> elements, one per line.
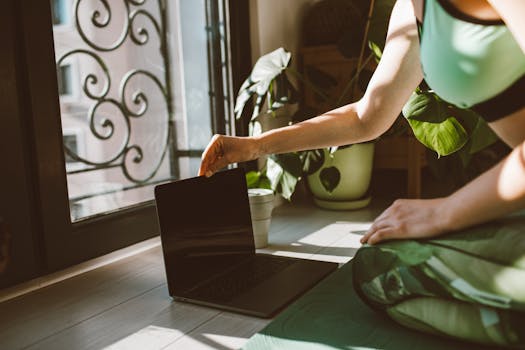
<point>241,278</point>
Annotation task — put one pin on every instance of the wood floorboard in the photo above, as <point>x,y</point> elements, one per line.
<point>154,308</point>
<point>224,332</point>
<point>126,304</point>
<point>57,307</point>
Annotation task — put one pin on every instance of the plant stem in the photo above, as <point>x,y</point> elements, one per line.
<point>363,44</point>
<point>307,83</point>
<point>353,80</point>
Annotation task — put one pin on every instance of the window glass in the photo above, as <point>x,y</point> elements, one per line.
<point>60,11</point>
<point>64,76</point>
<point>134,84</point>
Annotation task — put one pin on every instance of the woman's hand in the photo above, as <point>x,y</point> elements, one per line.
<point>223,150</point>
<point>408,218</point>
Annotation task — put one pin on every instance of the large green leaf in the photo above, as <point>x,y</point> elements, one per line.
<point>266,69</point>
<point>281,180</point>
<point>473,133</point>
<point>290,162</point>
<point>481,135</point>
<point>330,178</point>
<point>274,172</point>
<point>427,107</point>
<point>252,178</point>
<point>282,93</point>
<point>312,161</point>
<point>256,179</point>
<point>288,185</point>
<point>444,138</point>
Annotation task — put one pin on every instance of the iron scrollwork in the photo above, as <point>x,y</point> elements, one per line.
<point>129,103</point>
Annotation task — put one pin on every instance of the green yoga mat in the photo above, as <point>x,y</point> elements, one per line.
<point>331,316</point>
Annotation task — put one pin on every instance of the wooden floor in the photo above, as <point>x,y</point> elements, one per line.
<point>126,305</point>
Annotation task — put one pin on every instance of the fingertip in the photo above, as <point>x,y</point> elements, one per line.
<point>366,237</point>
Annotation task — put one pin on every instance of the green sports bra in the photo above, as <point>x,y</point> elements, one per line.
<point>471,63</point>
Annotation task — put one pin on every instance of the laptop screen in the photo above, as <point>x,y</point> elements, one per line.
<point>205,226</point>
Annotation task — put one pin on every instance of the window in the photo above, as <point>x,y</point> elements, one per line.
<point>97,117</point>
<point>65,80</point>
<point>143,103</point>
<point>74,145</point>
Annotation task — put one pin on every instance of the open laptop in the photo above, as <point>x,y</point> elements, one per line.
<point>209,251</point>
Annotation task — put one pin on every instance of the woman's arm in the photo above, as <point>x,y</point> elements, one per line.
<point>396,76</point>
<point>497,192</point>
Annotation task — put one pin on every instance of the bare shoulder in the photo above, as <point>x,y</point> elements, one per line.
<point>513,14</point>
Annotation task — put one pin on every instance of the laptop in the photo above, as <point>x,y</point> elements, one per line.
<point>209,251</point>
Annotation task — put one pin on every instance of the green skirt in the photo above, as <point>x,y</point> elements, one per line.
<point>468,285</point>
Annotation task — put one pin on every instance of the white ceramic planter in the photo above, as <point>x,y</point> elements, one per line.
<point>261,207</point>
<point>355,166</point>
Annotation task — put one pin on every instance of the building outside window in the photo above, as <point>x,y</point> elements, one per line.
<point>60,10</point>
<point>130,77</point>
<point>65,80</point>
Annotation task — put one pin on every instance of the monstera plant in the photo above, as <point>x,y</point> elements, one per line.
<point>438,125</point>
<point>269,88</point>
<point>444,128</point>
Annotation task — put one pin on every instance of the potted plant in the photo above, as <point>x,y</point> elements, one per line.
<point>341,174</point>
<point>270,85</point>
<point>436,124</point>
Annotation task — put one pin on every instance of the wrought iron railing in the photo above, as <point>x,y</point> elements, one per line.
<point>140,23</point>
<point>103,128</point>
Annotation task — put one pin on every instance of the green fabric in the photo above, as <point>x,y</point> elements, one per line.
<point>467,63</point>
<point>469,285</point>
<point>331,316</point>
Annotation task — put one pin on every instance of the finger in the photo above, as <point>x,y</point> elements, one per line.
<point>208,156</point>
<point>377,225</point>
<point>384,234</point>
<point>217,165</point>
<point>204,162</point>
<point>367,235</point>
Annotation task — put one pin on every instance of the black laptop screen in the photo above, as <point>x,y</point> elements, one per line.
<point>203,220</point>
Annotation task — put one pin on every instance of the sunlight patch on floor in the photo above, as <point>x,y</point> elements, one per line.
<point>227,341</point>
<point>150,338</point>
<point>333,233</point>
<point>336,242</point>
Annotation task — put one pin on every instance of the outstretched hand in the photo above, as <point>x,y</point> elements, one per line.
<point>223,150</point>
<point>408,218</point>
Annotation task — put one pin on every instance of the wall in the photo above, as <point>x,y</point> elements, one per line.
<point>276,23</point>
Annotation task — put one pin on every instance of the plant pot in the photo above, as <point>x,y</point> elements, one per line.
<point>261,207</point>
<point>343,180</point>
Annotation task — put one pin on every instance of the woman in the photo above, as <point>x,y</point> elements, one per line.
<point>468,285</point>
<point>495,193</point>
